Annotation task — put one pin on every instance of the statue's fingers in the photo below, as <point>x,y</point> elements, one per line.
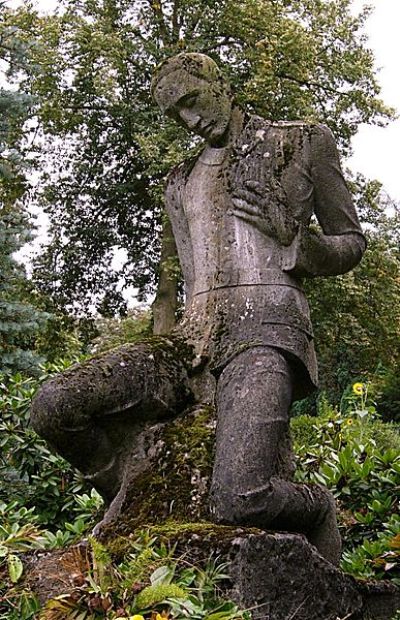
<point>256,187</point>
<point>247,217</point>
<point>245,207</point>
<point>246,196</point>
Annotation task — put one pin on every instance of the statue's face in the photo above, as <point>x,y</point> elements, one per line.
<point>202,107</point>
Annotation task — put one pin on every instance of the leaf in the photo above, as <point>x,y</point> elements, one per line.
<point>162,575</point>
<point>222,615</point>
<point>15,568</point>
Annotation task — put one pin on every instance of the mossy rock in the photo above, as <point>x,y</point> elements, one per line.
<point>180,535</point>
<point>173,483</point>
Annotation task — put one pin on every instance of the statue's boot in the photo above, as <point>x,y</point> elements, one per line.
<point>284,505</point>
<point>249,487</point>
<point>92,412</point>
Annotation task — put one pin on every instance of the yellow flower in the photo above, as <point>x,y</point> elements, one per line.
<point>349,421</point>
<point>358,388</point>
<point>137,617</point>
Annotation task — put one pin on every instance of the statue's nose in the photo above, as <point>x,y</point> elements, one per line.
<point>189,117</point>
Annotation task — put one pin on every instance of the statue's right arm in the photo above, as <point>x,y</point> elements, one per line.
<point>176,213</point>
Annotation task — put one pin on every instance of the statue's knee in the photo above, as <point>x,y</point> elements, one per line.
<point>50,414</point>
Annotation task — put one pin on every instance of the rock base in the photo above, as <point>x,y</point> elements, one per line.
<point>276,576</point>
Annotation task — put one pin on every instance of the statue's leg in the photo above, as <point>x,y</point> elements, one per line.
<point>90,413</point>
<point>254,394</point>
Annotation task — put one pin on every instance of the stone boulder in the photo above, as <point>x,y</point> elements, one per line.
<point>275,575</point>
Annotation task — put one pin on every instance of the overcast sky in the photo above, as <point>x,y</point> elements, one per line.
<point>375,149</point>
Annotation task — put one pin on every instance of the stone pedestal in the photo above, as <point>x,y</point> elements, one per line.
<point>277,576</point>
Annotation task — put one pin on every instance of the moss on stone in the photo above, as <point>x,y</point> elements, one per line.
<point>171,533</point>
<point>176,485</point>
<point>152,595</point>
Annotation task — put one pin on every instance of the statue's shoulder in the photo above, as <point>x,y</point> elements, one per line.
<point>283,126</point>
<point>301,133</point>
<point>309,128</point>
<point>179,173</point>
<point>176,181</point>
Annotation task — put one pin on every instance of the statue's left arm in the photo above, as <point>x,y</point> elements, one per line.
<point>340,245</point>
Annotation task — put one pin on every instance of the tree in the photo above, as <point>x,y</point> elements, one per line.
<point>356,317</point>
<point>19,321</point>
<point>110,150</point>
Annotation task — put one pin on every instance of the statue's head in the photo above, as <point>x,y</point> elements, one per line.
<point>191,89</point>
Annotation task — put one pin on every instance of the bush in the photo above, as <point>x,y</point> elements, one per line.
<point>388,398</point>
<point>150,582</point>
<point>117,331</point>
<point>43,501</point>
<point>358,458</point>
<point>32,476</point>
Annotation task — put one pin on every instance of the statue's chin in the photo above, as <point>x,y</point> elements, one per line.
<point>216,136</point>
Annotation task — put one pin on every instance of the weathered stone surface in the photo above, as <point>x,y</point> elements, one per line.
<point>240,214</point>
<point>168,475</point>
<point>381,599</point>
<point>98,414</point>
<point>281,576</point>
<point>278,576</point>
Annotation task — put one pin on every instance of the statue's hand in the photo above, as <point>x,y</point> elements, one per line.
<point>264,209</point>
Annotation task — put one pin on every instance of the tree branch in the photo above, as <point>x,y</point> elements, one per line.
<point>156,7</point>
<point>312,84</point>
<point>175,20</point>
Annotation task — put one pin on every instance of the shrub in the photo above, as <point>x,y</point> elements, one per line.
<point>388,398</point>
<point>358,458</point>
<point>117,331</point>
<point>32,476</point>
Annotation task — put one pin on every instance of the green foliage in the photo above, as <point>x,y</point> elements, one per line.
<point>18,533</point>
<point>158,593</point>
<point>42,505</point>
<point>19,321</point>
<point>351,451</point>
<point>168,587</point>
<point>15,105</point>
<point>20,605</point>
<point>378,558</point>
<point>356,316</point>
<point>33,476</point>
<point>358,458</point>
<point>388,394</point>
<point>113,332</point>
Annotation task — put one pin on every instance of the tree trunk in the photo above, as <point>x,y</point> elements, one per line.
<point>166,301</point>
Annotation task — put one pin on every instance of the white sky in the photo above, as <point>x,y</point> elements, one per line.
<point>376,150</point>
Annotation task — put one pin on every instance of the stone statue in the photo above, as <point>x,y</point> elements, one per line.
<point>241,214</point>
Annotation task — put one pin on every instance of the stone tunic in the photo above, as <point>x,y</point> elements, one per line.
<point>239,290</point>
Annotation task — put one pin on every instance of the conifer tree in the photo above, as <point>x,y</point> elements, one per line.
<point>19,321</point>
